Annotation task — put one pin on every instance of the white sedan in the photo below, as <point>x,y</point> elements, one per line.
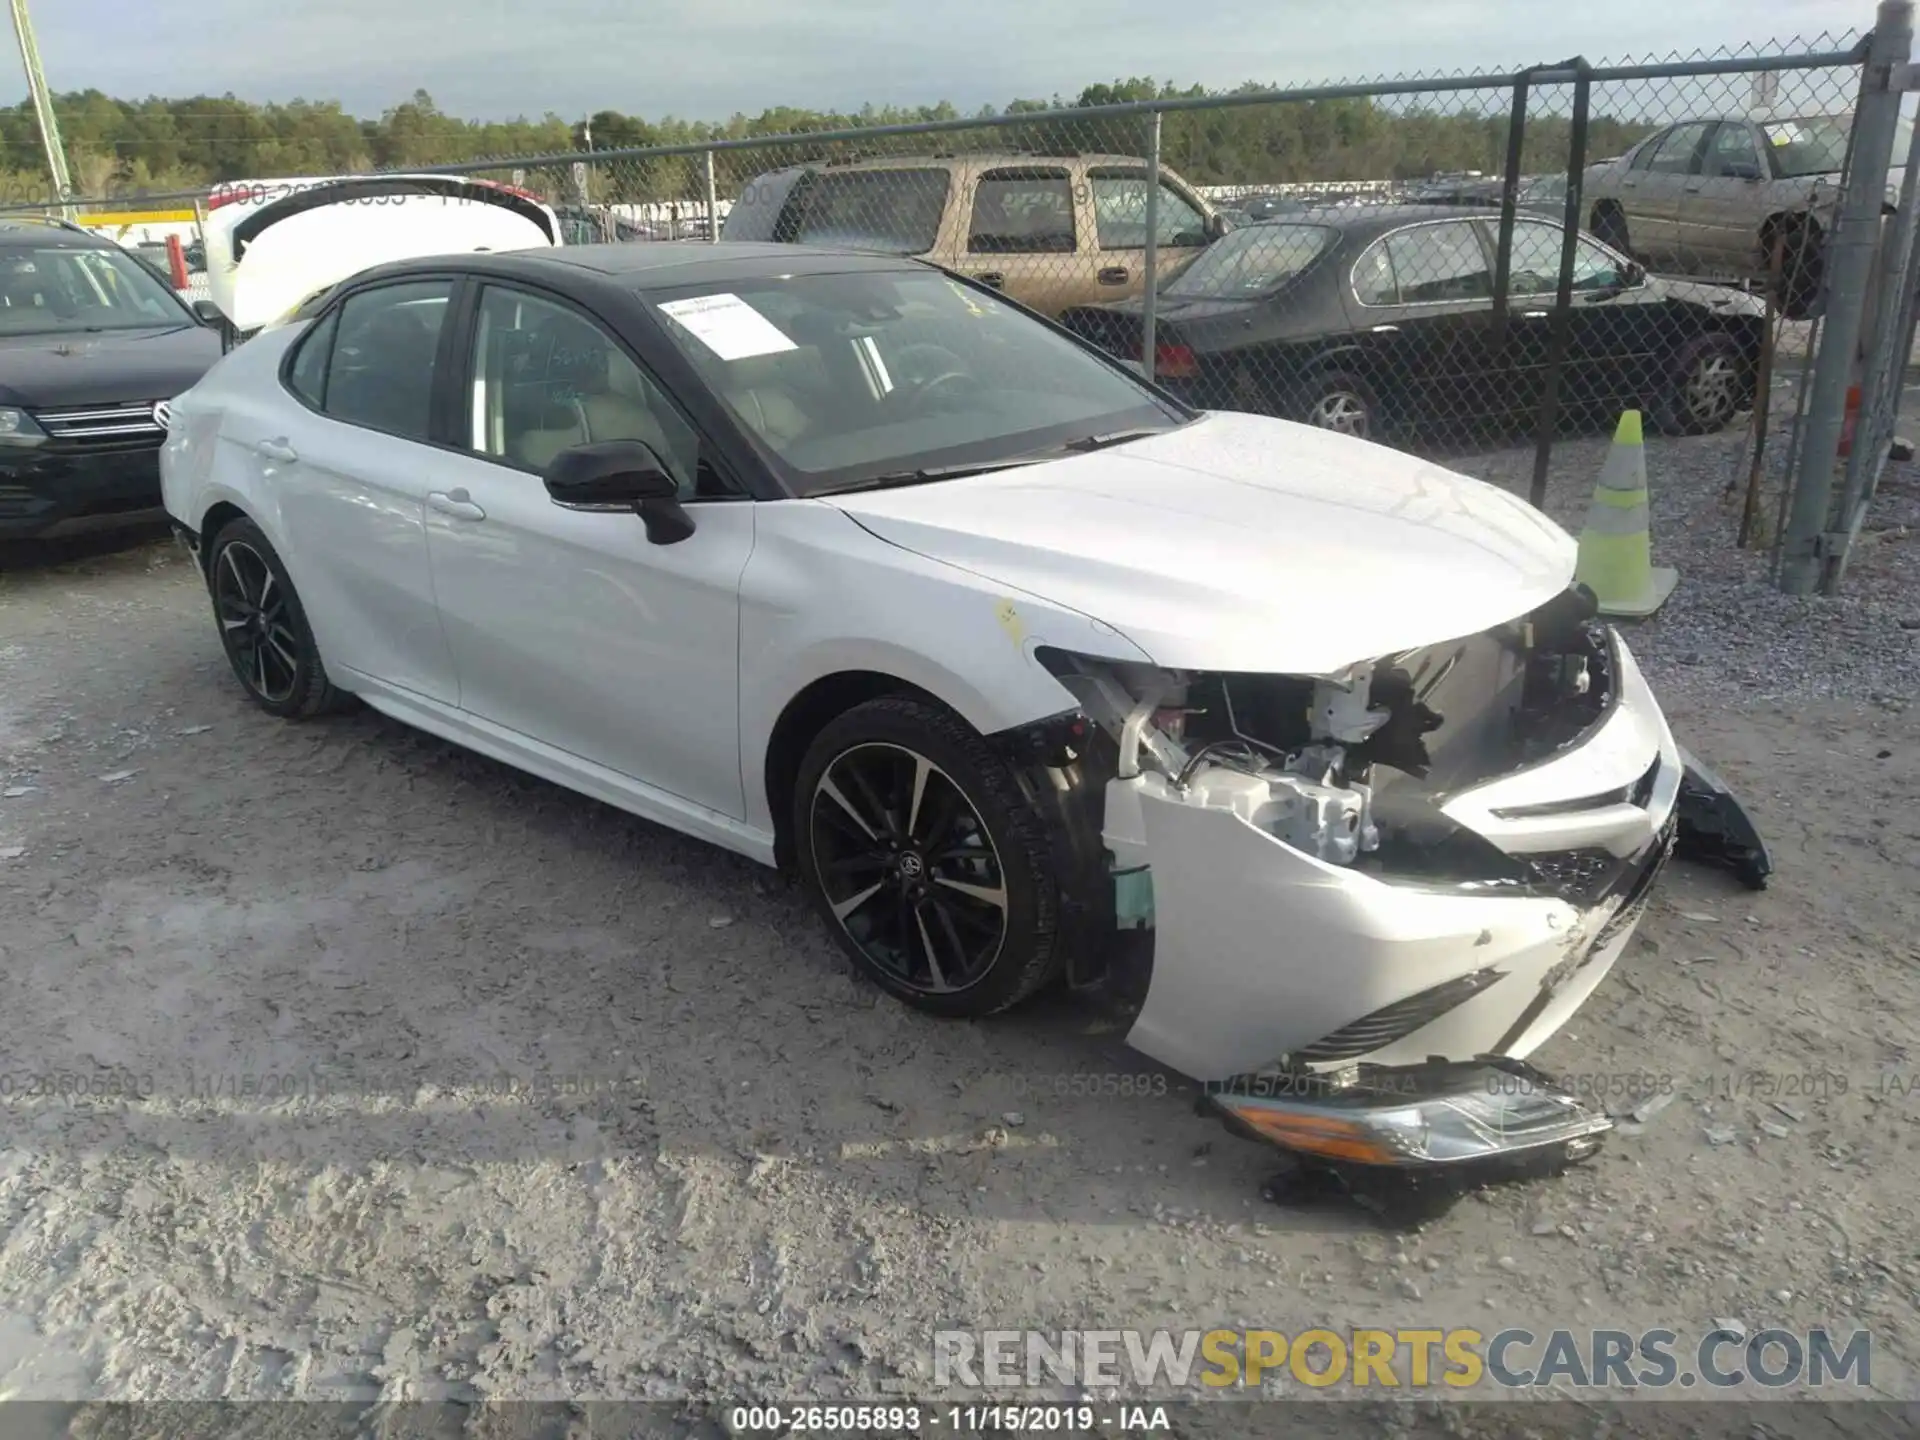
<point>1308,749</point>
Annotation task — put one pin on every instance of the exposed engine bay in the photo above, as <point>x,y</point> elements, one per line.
<point>1353,769</point>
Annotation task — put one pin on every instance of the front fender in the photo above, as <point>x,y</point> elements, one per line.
<point>823,596</point>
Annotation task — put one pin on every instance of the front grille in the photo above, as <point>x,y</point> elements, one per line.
<point>1398,1020</point>
<point>103,427</point>
<point>16,501</point>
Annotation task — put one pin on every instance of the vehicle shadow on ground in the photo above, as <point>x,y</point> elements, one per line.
<point>427,957</point>
<point>26,557</point>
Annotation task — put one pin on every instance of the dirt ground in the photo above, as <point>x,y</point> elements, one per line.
<point>453,1085</point>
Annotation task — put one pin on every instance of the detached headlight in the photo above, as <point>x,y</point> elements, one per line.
<point>18,427</point>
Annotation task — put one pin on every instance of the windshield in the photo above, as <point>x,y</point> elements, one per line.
<point>846,378</point>
<point>1818,145</point>
<point>53,290</point>
<point>1249,262</point>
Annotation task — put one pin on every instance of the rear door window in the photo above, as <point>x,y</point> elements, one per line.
<point>1433,264</point>
<point>896,210</point>
<point>381,368</point>
<point>1022,212</point>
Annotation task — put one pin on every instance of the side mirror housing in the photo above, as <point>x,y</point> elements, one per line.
<point>207,312</point>
<point>620,475</point>
<point>1633,273</point>
<point>1217,225</point>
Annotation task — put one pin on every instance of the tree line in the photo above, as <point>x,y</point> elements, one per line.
<point>121,147</point>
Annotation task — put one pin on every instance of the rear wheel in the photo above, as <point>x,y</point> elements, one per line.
<point>925,859</point>
<point>1609,225</point>
<point>1342,402</point>
<point>263,628</point>
<point>1710,382</point>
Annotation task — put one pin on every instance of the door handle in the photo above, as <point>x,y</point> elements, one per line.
<point>992,279</point>
<point>1113,275</point>
<point>276,450</point>
<point>1386,330</point>
<point>456,503</point>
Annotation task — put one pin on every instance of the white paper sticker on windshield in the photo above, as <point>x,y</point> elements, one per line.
<point>729,326</point>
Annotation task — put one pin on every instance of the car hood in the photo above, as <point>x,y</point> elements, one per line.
<point>1721,299</point>
<point>80,368</point>
<point>1243,543</point>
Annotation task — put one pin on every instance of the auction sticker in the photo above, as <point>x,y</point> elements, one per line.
<point>728,326</point>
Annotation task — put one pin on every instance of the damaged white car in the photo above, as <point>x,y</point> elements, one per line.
<point>1030,674</point>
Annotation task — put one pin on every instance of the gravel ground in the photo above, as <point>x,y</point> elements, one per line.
<point>724,1170</point>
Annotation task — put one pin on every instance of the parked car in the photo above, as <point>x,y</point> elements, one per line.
<point>1048,230</point>
<point>842,563</point>
<point>272,243</point>
<point>93,348</point>
<point>596,224</point>
<point>1382,320</point>
<point>1712,197</point>
<point>1541,194</point>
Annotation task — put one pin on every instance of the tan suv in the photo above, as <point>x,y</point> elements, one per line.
<point>1050,230</point>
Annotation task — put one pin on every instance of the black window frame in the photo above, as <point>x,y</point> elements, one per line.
<point>709,454</point>
<point>1015,173</point>
<point>330,310</point>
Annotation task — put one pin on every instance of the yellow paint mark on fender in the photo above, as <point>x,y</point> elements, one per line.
<point>1010,622</point>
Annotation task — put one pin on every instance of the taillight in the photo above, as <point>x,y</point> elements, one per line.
<point>1174,362</point>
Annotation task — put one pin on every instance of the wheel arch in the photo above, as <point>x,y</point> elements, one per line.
<point>219,515</point>
<point>811,709</point>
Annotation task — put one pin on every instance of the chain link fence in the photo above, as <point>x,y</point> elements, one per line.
<point>1449,263</point>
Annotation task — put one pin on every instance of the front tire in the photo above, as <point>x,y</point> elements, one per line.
<point>263,627</point>
<point>925,858</point>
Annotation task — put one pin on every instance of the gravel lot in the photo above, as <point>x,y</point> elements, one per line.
<point>725,1170</point>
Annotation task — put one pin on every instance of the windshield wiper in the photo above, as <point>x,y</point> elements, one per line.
<point>894,479</point>
<point>1102,442</point>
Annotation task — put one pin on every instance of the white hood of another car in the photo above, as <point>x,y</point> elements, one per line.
<point>1243,543</point>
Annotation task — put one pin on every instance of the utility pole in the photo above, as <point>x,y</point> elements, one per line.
<point>43,108</point>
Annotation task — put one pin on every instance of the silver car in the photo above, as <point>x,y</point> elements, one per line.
<point>1710,197</point>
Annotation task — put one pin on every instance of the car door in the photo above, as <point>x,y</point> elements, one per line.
<point>1423,299</point>
<point>569,627</point>
<point>1661,217</point>
<point>1022,236</point>
<point>1726,202</point>
<point>1613,340</point>
<point>1119,195</point>
<point>349,465</point>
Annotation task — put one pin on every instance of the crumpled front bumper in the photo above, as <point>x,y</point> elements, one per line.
<point>1267,959</point>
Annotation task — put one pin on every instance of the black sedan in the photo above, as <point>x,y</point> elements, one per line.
<point>1375,320</point>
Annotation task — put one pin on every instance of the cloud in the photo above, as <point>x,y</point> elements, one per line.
<point>708,58</point>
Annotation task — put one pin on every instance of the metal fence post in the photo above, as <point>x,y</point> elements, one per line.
<point>1149,296</point>
<point>1885,368</point>
<point>713,204</point>
<point>1549,416</point>
<point>1850,250</point>
<point>1509,206</point>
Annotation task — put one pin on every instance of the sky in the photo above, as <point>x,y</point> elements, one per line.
<point>706,59</point>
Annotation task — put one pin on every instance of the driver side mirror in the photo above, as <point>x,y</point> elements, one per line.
<point>207,312</point>
<point>1217,225</point>
<point>621,475</point>
<point>1632,274</point>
